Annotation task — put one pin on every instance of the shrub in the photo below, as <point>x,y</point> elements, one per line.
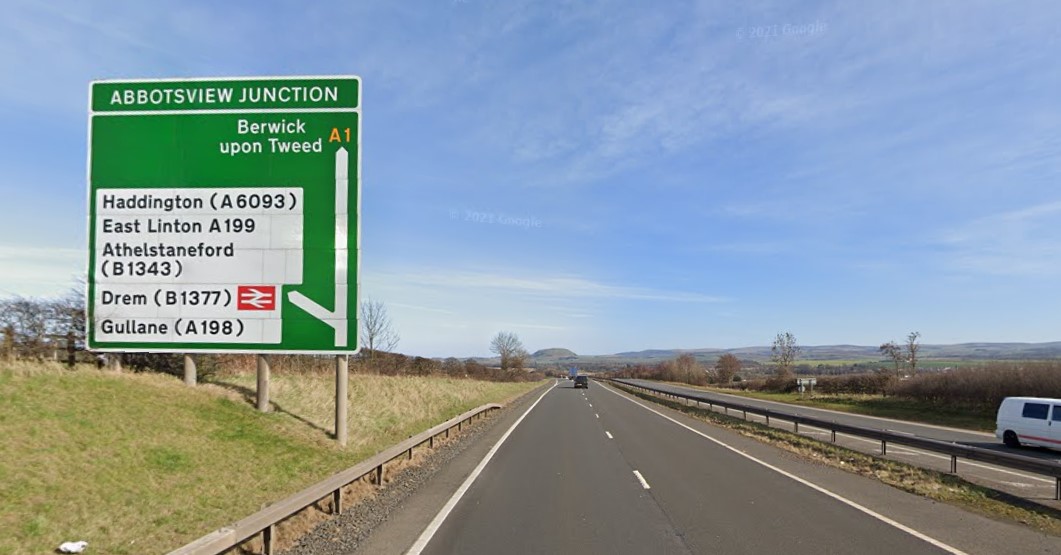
<point>984,386</point>
<point>864,384</point>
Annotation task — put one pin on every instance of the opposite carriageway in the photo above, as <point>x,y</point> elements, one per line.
<point>954,450</point>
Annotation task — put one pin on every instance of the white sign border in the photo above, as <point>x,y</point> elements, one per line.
<point>88,195</point>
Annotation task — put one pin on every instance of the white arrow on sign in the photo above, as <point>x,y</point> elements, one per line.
<point>334,318</point>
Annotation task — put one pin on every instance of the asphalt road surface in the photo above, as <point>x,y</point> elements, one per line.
<point>1020,483</point>
<point>592,471</point>
<point>969,437</point>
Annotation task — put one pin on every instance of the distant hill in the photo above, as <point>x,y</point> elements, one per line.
<point>960,351</point>
<point>560,358</point>
<point>553,355</point>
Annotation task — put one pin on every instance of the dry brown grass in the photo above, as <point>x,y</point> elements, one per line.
<point>985,386</point>
<point>139,463</point>
<point>381,411</point>
<point>946,488</point>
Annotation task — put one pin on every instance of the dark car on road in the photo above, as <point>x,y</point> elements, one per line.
<point>582,381</point>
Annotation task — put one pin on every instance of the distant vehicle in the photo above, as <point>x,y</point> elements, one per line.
<point>572,372</point>
<point>583,381</point>
<point>1029,421</point>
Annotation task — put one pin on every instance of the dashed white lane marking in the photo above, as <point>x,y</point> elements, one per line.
<point>641,479</point>
<point>609,434</point>
<point>597,415</point>
<point>812,485</point>
<point>813,430</point>
<point>436,523</point>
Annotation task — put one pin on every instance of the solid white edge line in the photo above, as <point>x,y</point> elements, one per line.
<point>840,412</point>
<point>609,434</point>
<point>807,483</point>
<point>436,523</point>
<point>913,451</point>
<point>641,479</point>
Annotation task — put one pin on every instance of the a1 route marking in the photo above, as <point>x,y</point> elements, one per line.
<point>224,214</point>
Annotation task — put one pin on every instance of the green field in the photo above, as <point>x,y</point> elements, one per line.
<point>927,363</point>
<point>885,407</point>
<point>139,463</point>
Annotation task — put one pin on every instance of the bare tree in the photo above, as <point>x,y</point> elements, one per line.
<point>912,347</point>
<point>727,366</point>
<point>37,326</point>
<point>377,332</point>
<point>894,352</point>
<point>7,348</point>
<point>508,346</point>
<point>452,366</point>
<point>28,321</point>
<point>784,352</point>
<point>67,313</point>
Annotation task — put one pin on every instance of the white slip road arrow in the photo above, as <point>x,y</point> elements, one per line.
<point>334,318</point>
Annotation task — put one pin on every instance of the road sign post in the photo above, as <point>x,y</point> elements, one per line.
<point>224,215</point>
<point>189,370</point>
<point>804,383</point>
<point>342,369</point>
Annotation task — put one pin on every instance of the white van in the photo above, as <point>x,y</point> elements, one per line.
<point>1029,421</point>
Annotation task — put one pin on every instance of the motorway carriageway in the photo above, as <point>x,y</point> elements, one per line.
<point>598,471</point>
<point>1016,482</point>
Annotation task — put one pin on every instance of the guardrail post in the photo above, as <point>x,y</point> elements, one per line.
<point>337,502</point>
<point>267,540</point>
<point>1047,468</point>
<point>410,457</point>
<point>379,475</point>
<point>431,442</point>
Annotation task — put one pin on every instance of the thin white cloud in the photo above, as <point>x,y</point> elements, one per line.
<point>39,271</point>
<point>561,286</point>
<point>532,326</point>
<point>1023,242</point>
<point>422,308</point>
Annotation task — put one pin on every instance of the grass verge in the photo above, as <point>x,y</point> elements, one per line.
<point>945,488</point>
<point>875,405</point>
<point>139,463</point>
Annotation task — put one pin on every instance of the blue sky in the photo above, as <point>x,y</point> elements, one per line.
<point>613,176</point>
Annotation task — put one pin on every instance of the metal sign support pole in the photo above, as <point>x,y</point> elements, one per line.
<point>342,373</point>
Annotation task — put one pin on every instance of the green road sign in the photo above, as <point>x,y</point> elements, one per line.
<point>224,214</point>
